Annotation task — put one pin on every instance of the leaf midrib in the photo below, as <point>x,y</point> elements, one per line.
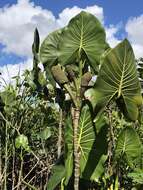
<point>81,35</point>
<point>122,76</point>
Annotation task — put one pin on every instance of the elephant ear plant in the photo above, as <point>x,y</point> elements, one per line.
<point>67,55</point>
<point>71,56</point>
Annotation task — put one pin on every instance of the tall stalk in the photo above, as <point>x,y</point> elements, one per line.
<point>75,112</point>
<point>20,171</point>
<point>13,166</point>
<point>6,156</point>
<point>76,116</point>
<point>60,133</point>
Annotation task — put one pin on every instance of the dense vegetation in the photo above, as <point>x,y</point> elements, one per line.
<point>61,128</point>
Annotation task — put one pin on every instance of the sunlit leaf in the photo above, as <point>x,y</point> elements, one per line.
<point>49,48</point>
<point>118,80</point>
<point>84,33</point>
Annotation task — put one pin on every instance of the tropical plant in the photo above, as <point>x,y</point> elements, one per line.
<point>71,56</point>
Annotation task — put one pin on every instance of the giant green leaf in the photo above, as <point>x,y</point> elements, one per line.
<point>84,33</point>
<point>118,80</point>
<point>49,53</point>
<point>128,145</point>
<point>49,48</point>
<point>92,144</point>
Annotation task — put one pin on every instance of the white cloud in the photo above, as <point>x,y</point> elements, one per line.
<point>9,71</point>
<point>110,34</point>
<point>68,13</point>
<point>17,24</point>
<point>134,29</point>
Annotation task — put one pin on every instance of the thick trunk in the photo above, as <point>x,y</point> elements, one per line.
<point>76,116</point>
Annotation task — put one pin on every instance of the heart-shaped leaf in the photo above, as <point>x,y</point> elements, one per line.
<point>118,80</point>
<point>93,147</point>
<point>49,53</point>
<point>49,48</point>
<point>84,33</point>
<point>128,145</point>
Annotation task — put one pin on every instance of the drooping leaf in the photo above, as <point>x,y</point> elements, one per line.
<point>92,145</point>
<point>58,173</point>
<point>49,53</point>
<point>128,145</point>
<point>84,33</point>
<point>49,48</point>
<point>118,80</point>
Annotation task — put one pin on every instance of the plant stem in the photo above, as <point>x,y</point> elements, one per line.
<point>13,167</point>
<point>71,94</point>
<point>76,117</point>
<point>111,144</point>
<point>6,156</point>
<point>116,183</point>
<point>28,185</point>
<point>20,171</point>
<point>60,133</point>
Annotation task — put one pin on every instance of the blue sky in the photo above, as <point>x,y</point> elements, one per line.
<point>121,18</point>
<point>115,10</point>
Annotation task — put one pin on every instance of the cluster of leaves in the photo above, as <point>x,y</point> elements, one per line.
<point>28,135</point>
